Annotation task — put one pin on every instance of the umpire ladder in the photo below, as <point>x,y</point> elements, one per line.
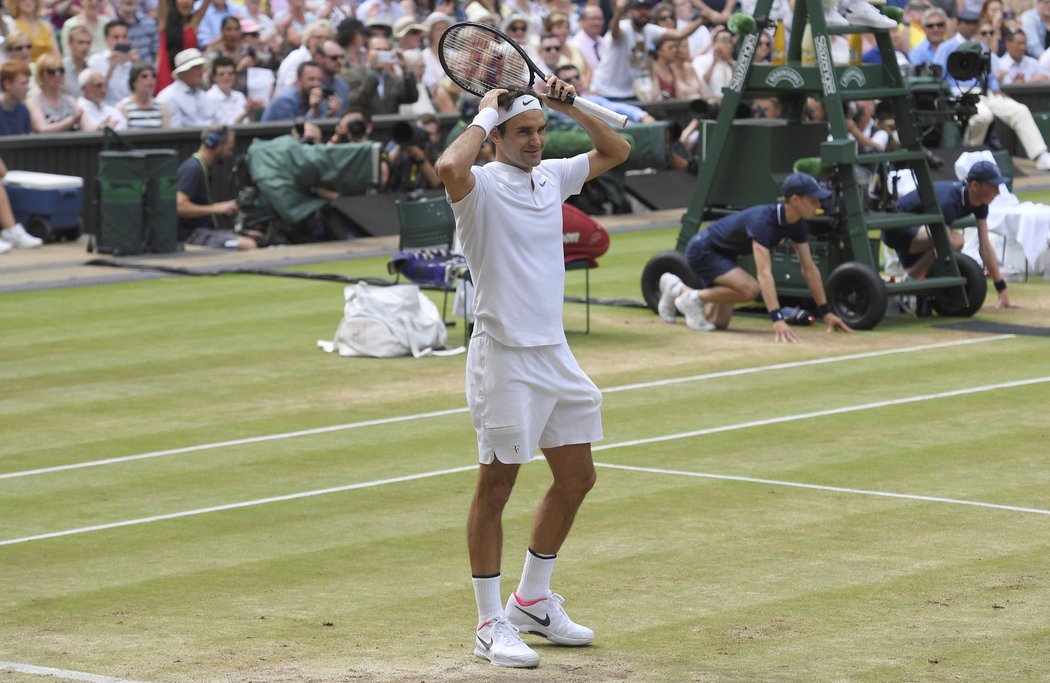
<point>792,83</point>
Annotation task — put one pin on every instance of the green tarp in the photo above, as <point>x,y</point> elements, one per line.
<point>286,171</point>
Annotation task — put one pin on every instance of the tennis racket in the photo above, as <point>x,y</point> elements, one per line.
<point>479,58</point>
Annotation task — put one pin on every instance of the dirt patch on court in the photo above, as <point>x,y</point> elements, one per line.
<point>461,668</point>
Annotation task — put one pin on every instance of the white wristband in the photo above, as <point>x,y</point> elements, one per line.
<point>486,120</point>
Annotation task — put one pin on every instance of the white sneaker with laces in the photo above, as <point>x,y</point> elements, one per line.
<point>555,624</point>
<point>5,246</point>
<point>833,18</point>
<point>666,307</point>
<point>497,640</point>
<point>17,236</point>
<point>862,13</point>
<point>693,311</point>
<point>1042,162</point>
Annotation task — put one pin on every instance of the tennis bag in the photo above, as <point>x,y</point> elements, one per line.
<point>385,322</point>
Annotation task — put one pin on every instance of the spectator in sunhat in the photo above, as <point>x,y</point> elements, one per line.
<point>185,98</point>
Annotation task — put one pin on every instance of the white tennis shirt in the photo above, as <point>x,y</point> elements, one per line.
<point>510,226</point>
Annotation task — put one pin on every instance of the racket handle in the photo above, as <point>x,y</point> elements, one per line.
<point>599,112</point>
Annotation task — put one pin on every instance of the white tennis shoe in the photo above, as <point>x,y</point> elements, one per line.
<point>546,617</point>
<point>666,307</point>
<point>17,237</point>
<point>497,640</point>
<point>833,18</point>
<point>863,13</point>
<point>693,310</point>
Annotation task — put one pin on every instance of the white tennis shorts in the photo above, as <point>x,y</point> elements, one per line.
<point>521,398</point>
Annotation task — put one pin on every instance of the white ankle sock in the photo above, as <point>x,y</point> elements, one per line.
<point>676,288</point>
<point>487,594</point>
<point>536,576</point>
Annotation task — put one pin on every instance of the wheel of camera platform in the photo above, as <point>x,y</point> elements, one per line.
<point>976,290</point>
<point>38,226</point>
<point>665,262</point>
<point>857,294</point>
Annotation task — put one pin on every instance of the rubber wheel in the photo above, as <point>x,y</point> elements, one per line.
<point>38,226</point>
<point>976,291</point>
<point>857,294</point>
<point>665,262</point>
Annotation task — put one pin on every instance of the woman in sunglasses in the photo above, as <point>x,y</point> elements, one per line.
<point>51,110</point>
<point>25,14</point>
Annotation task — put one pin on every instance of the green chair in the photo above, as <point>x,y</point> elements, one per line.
<point>429,224</point>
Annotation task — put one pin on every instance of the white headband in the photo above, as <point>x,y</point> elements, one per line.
<point>521,104</point>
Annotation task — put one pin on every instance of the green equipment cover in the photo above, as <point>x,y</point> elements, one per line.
<point>286,171</point>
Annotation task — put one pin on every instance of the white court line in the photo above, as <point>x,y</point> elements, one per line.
<point>822,413</point>
<point>820,487</point>
<point>456,411</point>
<point>64,674</point>
<point>681,435</point>
<point>243,504</point>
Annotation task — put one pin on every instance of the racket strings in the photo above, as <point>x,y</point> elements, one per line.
<point>480,60</point>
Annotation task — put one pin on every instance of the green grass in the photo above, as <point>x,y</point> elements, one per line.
<point>682,577</point>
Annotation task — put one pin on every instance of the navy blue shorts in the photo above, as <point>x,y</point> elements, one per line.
<point>899,240</point>
<point>707,263</point>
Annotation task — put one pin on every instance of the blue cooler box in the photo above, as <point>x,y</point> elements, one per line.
<point>48,205</point>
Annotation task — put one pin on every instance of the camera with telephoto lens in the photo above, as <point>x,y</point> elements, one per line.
<point>409,135</point>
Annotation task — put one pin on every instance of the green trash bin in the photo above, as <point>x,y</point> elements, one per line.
<point>121,183</point>
<point>160,222</point>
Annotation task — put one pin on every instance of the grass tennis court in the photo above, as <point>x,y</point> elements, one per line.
<point>191,491</point>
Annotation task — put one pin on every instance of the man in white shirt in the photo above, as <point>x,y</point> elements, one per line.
<point>629,43</point>
<point>1016,66</point>
<point>97,114</point>
<point>115,61</point>
<point>589,40</point>
<point>185,98</point>
<point>524,387</point>
<point>229,106</point>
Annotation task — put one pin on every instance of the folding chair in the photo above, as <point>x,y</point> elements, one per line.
<point>429,223</point>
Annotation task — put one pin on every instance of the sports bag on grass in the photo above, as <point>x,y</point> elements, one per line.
<point>385,322</point>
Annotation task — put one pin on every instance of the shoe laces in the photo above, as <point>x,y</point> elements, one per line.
<point>504,631</point>
<point>557,602</point>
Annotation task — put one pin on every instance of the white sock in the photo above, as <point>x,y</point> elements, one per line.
<point>487,594</point>
<point>695,296</point>
<point>676,288</point>
<point>536,576</point>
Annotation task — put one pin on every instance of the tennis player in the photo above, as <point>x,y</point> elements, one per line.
<point>524,387</point>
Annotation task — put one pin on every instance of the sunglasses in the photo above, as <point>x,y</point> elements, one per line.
<point>663,18</point>
<point>517,28</point>
<point>55,72</point>
<point>552,48</point>
<point>937,25</point>
<point>21,47</point>
<point>987,33</point>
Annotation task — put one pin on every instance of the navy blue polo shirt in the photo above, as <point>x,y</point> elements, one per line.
<point>766,224</point>
<point>953,197</point>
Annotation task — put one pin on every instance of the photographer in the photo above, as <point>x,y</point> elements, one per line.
<point>983,86</point>
<point>304,98</point>
<point>411,155</point>
<point>193,201</point>
<point>383,83</point>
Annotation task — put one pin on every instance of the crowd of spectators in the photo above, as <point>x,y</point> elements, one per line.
<point>82,65</point>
